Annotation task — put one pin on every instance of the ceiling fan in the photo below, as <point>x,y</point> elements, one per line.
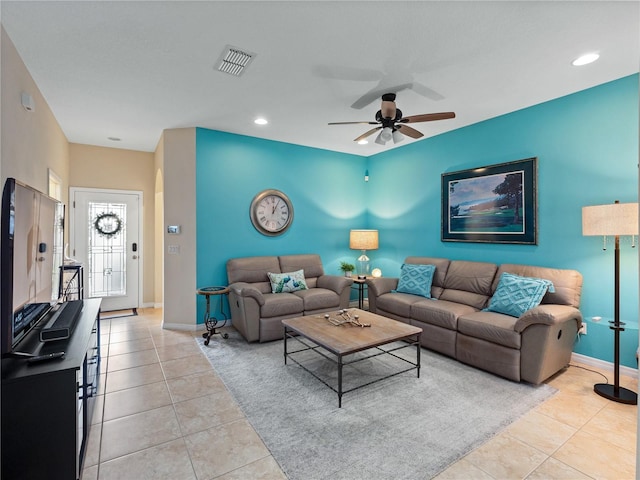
<point>392,124</point>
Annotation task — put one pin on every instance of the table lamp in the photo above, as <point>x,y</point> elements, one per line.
<point>615,220</point>
<point>363,240</point>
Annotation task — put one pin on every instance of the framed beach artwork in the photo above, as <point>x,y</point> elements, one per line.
<point>494,204</point>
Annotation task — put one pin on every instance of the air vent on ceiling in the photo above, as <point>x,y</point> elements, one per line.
<point>234,61</point>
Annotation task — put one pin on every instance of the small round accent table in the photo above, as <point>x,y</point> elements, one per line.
<point>211,322</point>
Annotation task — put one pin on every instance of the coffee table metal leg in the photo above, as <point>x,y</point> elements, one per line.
<point>340,381</point>
<point>418,355</point>
<point>285,345</point>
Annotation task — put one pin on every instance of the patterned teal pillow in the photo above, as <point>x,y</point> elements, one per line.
<point>515,294</point>
<point>287,282</point>
<point>416,279</point>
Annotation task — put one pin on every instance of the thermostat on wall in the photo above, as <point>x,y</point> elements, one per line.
<point>173,229</point>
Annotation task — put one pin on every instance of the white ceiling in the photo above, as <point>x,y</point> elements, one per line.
<point>133,69</point>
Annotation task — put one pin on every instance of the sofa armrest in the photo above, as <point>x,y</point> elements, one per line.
<point>381,285</point>
<point>245,301</point>
<point>548,314</point>
<point>547,335</point>
<point>337,283</point>
<point>243,289</point>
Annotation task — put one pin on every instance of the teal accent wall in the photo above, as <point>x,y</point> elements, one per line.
<point>587,149</point>
<point>326,189</point>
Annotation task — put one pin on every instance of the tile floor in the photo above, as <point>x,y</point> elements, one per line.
<point>163,413</point>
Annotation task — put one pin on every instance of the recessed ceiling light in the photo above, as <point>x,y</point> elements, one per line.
<point>363,141</point>
<point>114,139</point>
<point>585,59</point>
<point>260,121</point>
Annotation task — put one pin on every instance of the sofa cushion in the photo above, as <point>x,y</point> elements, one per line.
<point>278,304</point>
<point>318,298</point>
<point>491,326</point>
<point>515,294</point>
<point>469,283</point>
<point>440,312</point>
<point>442,266</point>
<point>309,262</point>
<point>287,282</point>
<point>253,270</point>
<point>416,279</point>
<point>567,283</point>
<point>397,303</point>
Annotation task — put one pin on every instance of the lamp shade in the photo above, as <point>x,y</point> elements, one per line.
<point>397,136</point>
<point>363,239</point>
<point>610,219</point>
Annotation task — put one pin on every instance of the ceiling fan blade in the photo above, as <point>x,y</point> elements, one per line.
<point>352,123</point>
<point>409,132</point>
<point>366,134</point>
<point>427,117</point>
<point>426,91</point>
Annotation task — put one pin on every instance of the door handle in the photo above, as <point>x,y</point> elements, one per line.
<point>134,246</point>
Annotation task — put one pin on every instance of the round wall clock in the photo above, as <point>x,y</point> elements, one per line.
<point>271,212</point>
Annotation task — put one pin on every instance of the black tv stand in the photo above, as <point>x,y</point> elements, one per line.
<point>18,355</point>
<point>47,406</point>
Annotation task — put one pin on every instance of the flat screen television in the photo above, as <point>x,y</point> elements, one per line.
<point>31,254</point>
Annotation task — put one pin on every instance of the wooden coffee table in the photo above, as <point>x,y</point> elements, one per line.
<point>316,333</point>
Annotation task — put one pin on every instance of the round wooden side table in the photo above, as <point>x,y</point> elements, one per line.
<point>211,322</point>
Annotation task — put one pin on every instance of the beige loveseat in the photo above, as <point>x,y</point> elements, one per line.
<point>256,312</point>
<point>530,347</point>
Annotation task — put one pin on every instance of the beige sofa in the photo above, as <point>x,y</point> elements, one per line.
<point>531,347</point>
<point>256,312</point>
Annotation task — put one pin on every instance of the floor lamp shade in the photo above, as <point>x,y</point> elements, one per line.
<point>614,219</point>
<point>363,240</point>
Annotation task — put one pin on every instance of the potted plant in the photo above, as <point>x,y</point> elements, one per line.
<point>347,268</point>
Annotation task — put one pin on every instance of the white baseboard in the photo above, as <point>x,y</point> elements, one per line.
<point>596,362</point>
<point>158,305</point>
<point>183,327</point>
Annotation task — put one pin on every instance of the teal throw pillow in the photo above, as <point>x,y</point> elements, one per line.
<point>416,279</point>
<point>515,294</point>
<point>287,282</point>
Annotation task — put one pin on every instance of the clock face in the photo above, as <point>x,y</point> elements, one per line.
<point>271,212</point>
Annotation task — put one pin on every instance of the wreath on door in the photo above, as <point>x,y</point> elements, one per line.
<point>108,224</point>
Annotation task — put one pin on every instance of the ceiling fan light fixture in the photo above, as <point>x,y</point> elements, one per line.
<point>386,134</point>
<point>397,136</point>
<point>379,139</point>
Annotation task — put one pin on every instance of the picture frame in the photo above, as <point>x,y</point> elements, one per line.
<point>492,204</point>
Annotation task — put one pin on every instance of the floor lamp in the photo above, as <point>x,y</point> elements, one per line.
<point>363,240</point>
<point>615,220</point>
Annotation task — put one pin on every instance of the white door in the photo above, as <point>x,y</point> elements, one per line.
<point>105,236</point>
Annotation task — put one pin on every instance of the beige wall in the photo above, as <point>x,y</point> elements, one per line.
<point>159,222</point>
<point>179,165</point>
<point>32,142</point>
<point>114,168</point>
